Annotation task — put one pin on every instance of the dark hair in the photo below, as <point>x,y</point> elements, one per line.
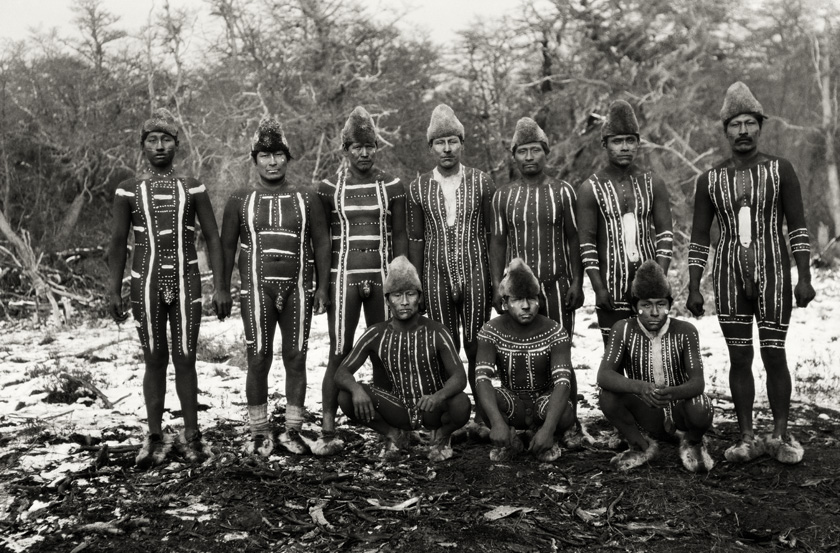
<point>438,137</point>
<point>346,145</point>
<point>604,139</point>
<point>634,301</point>
<point>758,117</point>
<point>542,143</point>
<point>285,151</point>
<point>145,134</point>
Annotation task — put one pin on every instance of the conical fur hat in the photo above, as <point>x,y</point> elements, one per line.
<point>519,281</point>
<point>528,131</point>
<point>650,282</point>
<point>161,120</point>
<point>621,119</point>
<point>269,137</point>
<point>739,100</point>
<point>444,123</point>
<point>401,276</point>
<point>359,128</point>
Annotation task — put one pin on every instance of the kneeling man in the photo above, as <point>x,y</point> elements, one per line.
<point>418,359</point>
<point>663,390</point>
<point>533,356</point>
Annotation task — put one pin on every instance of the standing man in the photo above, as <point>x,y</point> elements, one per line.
<point>161,207</point>
<point>366,211</point>
<point>651,378</point>
<point>418,359</point>
<point>750,194</point>
<point>619,209</point>
<point>533,356</point>
<point>449,217</point>
<point>278,225</point>
<point>534,219</point>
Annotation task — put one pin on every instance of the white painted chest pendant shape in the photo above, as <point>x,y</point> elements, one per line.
<point>628,221</point>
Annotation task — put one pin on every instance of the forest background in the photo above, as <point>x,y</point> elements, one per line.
<point>71,106</point>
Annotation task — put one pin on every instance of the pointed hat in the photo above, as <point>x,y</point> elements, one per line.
<point>401,276</point>
<point>359,128</point>
<point>650,282</point>
<point>269,137</point>
<point>519,281</point>
<point>739,100</point>
<point>528,131</point>
<point>444,123</point>
<point>161,120</point>
<point>621,119</point>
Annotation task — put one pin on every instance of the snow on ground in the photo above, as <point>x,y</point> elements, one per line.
<point>109,357</point>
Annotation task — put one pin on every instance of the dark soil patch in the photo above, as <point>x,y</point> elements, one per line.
<point>354,502</point>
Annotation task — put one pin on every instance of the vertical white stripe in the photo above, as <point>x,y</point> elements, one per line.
<point>255,281</point>
<point>304,239</point>
<point>150,267</point>
<point>182,261</point>
<point>340,199</point>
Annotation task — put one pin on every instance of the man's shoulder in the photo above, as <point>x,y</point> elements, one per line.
<point>434,325</point>
<point>382,176</point>
<point>507,188</point>
<point>621,325</point>
<point>421,180</point>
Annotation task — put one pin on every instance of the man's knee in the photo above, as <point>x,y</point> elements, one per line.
<point>741,358</point>
<point>156,360</point>
<point>698,413</point>
<point>294,361</point>
<point>260,363</point>
<point>774,358</point>
<point>459,408</point>
<point>609,401</point>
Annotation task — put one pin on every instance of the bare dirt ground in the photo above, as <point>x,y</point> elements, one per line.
<point>71,418</point>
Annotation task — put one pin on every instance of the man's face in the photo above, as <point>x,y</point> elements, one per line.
<point>523,310</point>
<point>404,304</point>
<point>530,158</point>
<point>743,132</point>
<point>447,151</point>
<point>361,156</point>
<point>159,148</point>
<point>622,149</point>
<point>271,166</point>
<point>653,313</point>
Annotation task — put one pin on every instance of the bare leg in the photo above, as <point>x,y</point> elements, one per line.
<point>623,411</point>
<point>350,316</point>
<point>742,385</point>
<point>778,388</point>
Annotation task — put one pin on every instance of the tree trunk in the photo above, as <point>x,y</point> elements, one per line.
<point>822,50</point>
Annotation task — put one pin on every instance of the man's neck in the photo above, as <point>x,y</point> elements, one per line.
<point>406,325</point>
<point>745,159</point>
<point>359,175</point>
<point>449,171</point>
<point>161,171</point>
<point>272,184</point>
<point>533,180</point>
<point>522,330</point>
<point>620,171</point>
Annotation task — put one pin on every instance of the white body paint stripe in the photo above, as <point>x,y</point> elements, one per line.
<point>182,267</point>
<point>254,264</point>
<point>147,292</point>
